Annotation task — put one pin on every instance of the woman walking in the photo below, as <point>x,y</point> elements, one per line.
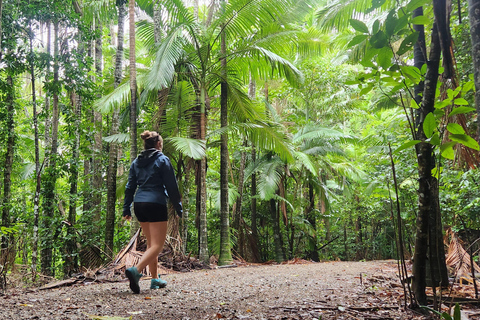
<point>152,177</point>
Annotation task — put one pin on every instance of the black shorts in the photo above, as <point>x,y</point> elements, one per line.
<point>150,211</point>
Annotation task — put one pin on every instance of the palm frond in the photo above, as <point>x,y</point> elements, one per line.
<point>193,148</point>
<point>169,52</point>
<point>117,138</point>
<point>305,160</point>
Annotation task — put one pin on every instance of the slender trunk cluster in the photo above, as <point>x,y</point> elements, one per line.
<point>113,147</point>
<point>428,211</point>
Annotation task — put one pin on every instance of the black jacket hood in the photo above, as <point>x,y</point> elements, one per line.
<point>147,156</point>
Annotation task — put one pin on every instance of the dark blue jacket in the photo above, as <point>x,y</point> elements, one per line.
<point>153,174</point>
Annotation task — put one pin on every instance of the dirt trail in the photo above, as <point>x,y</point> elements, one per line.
<point>329,290</point>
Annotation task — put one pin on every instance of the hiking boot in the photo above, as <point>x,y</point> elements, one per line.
<point>134,276</point>
<point>157,283</point>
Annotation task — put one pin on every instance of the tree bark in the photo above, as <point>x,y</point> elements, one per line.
<point>474,14</point>
<point>276,231</point>
<point>97,170</point>
<point>313,254</point>
<point>133,97</point>
<point>419,59</point>
<point>427,206</point>
<point>202,189</point>
<point>113,147</point>
<point>8,160</point>
<point>36,199</point>
<point>133,82</point>
<point>50,177</point>
<point>70,264</point>
<point>225,252</point>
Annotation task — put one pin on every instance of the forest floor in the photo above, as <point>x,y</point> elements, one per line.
<point>300,290</point>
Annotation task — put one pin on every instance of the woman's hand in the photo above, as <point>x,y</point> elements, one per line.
<point>127,218</point>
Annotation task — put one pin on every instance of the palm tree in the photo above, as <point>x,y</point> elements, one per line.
<point>190,52</point>
<point>113,150</point>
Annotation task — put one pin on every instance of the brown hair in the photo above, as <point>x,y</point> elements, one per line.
<point>150,139</point>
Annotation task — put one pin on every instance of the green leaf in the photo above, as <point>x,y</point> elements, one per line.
<point>359,25</point>
<point>442,104</point>
<point>366,90</point>
<point>384,58</point>
<point>357,39</point>
<point>406,145</point>
<point>445,315</point>
<point>455,128</point>
<point>447,151</point>
<point>407,43</point>
<point>466,140</point>
<point>429,125</point>
<point>379,40</point>
<point>192,148</point>
<point>117,138</point>
<point>461,102</point>
<point>422,20</point>
<point>414,104</point>
<point>414,4</point>
<point>391,23</point>
<point>457,315</point>
<point>468,86</point>
<point>375,5</point>
<point>412,73</point>
<point>461,110</point>
<point>435,139</point>
<point>376,26</point>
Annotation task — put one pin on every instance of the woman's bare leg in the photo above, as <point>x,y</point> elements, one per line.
<point>156,233</point>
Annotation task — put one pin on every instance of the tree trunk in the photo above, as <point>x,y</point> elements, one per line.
<point>70,264</point>
<point>36,199</point>
<point>225,252</point>
<point>97,170</point>
<point>428,193</point>
<point>133,82</point>
<point>113,148</point>
<point>419,59</point>
<point>8,161</point>
<point>276,231</point>
<point>133,97</point>
<point>237,212</point>
<point>202,188</point>
<point>195,9</point>
<point>474,14</point>
<point>50,176</point>
<point>313,254</point>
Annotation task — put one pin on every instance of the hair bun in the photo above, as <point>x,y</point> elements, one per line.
<point>146,135</point>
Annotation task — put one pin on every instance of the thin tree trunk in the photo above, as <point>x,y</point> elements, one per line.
<point>71,257</point>
<point>312,220</point>
<point>36,199</point>
<point>474,14</point>
<point>97,170</point>
<point>225,252</point>
<point>113,148</point>
<point>276,231</point>
<point>237,212</point>
<point>49,227</point>
<point>253,191</point>
<point>133,82</point>
<point>8,161</point>
<point>419,59</point>
<point>202,230</point>
<point>195,9</point>
<point>133,97</point>
<point>427,207</point>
